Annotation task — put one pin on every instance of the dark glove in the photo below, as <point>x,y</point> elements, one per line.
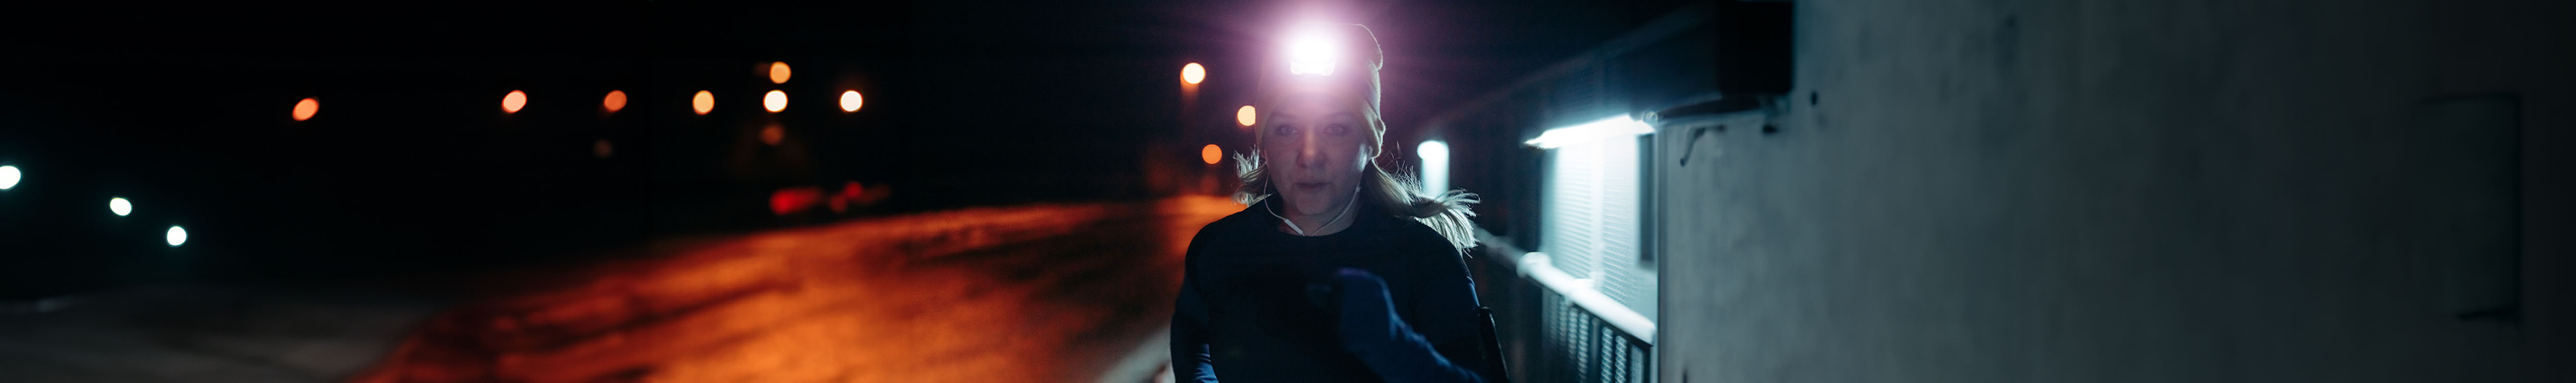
<point>1365,314</point>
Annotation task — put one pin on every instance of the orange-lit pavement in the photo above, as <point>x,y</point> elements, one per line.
<point>1049,293</point>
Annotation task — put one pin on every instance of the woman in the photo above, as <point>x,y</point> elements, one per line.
<point>1338,271</point>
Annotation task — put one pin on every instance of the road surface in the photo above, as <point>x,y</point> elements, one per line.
<point>1052,293</point>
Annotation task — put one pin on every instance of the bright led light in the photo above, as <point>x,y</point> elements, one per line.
<point>1614,127</point>
<point>850,101</point>
<point>1435,166</point>
<point>775,101</point>
<point>1312,53</point>
<point>703,102</point>
<point>176,236</point>
<point>8,177</point>
<point>1193,73</point>
<point>616,100</point>
<point>304,110</point>
<point>1245,115</point>
<point>510,103</point>
<point>119,206</point>
<point>778,72</point>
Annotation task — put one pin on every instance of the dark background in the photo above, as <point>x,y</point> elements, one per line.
<point>410,169</point>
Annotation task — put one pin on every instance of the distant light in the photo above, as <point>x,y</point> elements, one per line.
<point>510,103</point>
<point>1435,166</point>
<point>1211,154</point>
<point>1312,52</point>
<point>778,72</point>
<point>304,110</point>
<point>8,177</point>
<point>119,206</point>
<point>1614,127</point>
<point>176,236</point>
<point>772,134</point>
<point>602,149</point>
<point>850,101</point>
<point>1245,115</point>
<point>616,100</point>
<point>704,102</point>
<point>794,199</point>
<point>775,101</point>
<point>1191,74</point>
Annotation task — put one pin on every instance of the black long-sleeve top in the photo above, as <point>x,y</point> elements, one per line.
<point>1249,311</point>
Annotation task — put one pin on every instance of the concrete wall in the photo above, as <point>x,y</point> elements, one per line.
<point>2094,190</point>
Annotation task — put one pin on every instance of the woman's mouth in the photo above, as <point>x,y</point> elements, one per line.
<point>1311,185</point>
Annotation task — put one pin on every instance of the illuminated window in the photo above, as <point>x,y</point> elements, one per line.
<point>1592,222</point>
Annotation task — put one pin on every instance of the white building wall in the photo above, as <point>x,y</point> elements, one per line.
<point>2151,191</point>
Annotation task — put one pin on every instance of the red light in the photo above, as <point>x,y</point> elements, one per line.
<point>795,199</point>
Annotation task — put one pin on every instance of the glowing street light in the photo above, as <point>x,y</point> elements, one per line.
<point>119,206</point>
<point>1193,73</point>
<point>1211,154</point>
<point>850,101</point>
<point>304,110</point>
<point>616,100</point>
<point>778,72</point>
<point>510,103</point>
<point>9,177</point>
<point>703,102</point>
<point>775,101</point>
<point>1435,166</point>
<point>176,236</point>
<point>1245,115</point>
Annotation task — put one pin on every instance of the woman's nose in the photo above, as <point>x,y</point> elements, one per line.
<point>1308,155</point>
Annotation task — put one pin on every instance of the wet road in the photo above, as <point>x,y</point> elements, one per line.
<point>1049,293</point>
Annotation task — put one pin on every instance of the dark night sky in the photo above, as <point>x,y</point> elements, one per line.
<point>184,109</point>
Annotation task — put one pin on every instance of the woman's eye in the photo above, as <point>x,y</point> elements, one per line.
<point>1284,129</point>
<point>1337,129</point>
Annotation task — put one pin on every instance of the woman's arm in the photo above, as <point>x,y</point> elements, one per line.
<point>1190,360</point>
<point>1371,330</point>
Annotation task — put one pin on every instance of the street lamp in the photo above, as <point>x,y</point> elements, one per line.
<point>1193,73</point>
<point>9,177</point>
<point>703,102</point>
<point>510,103</point>
<point>616,100</point>
<point>304,110</point>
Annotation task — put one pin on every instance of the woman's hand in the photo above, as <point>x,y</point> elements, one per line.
<point>1366,315</point>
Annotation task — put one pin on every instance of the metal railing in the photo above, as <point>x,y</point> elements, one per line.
<point>1555,328</point>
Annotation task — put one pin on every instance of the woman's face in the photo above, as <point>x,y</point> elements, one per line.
<point>1316,146</point>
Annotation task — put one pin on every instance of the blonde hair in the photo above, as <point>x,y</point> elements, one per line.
<point>1446,212</point>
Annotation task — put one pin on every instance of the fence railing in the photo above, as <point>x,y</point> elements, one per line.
<point>1556,328</point>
